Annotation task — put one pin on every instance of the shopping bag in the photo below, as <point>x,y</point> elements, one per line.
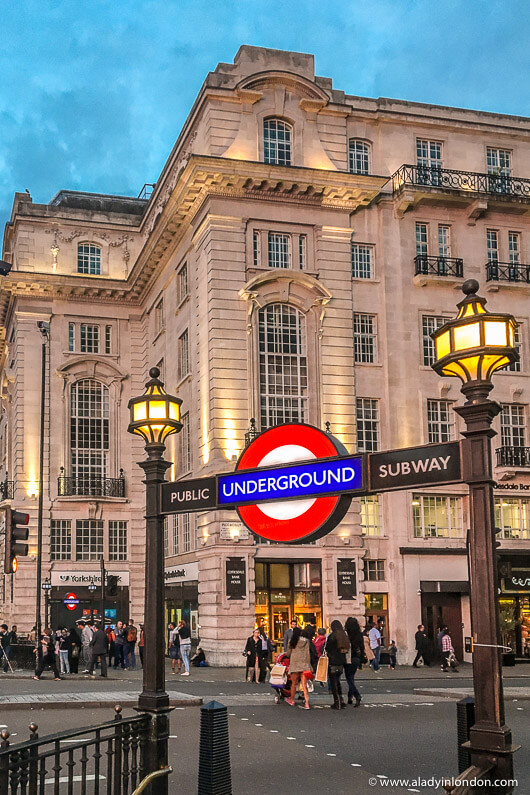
<point>322,670</point>
<point>278,675</point>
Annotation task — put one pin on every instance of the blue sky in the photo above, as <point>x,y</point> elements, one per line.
<point>94,92</point>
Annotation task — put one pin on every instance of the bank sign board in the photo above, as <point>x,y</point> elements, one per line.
<point>294,483</point>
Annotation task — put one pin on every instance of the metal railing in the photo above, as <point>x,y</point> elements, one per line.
<point>507,272</point>
<point>147,190</point>
<point>7,489</point>
<point>252,432</point>
<point>90,486</point>
<point>449,179</point>
<point>439,266</point>
<point>513,456</point>
<point>107,758</point>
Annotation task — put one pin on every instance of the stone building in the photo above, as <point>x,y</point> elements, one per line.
<point>296,252</point>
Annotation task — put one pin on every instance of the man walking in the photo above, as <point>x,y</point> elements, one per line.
<point>289,634</point>
<point>86,637</point>
<point>448,653</point>
<point>375,644</point>
<point>120,639</point>
<point>132,634</point>
<point>5,646</point>
<point>99,646</point>
<point>422,646</point>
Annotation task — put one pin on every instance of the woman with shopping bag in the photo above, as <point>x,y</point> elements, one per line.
<point>300,665</point>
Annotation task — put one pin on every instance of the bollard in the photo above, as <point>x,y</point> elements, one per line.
<point>465,718</point>
<point>214,754</point>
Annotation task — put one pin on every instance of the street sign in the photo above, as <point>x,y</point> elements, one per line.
<point>236,578</point>
<point>427,465</point>
<point>71,601</point>
<point>346,579</point>
<point>181,496</point>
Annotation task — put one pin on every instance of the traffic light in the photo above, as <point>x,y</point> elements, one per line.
<point>112,585</point>
<point>14,534</point>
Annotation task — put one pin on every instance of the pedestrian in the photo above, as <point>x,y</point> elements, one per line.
<point>266,646</point>
<point>448,653</point>
<point>86,637</point>
<point>99,649</point>
<point>141,644</point>
<point>392,655</point>
<point>368,653</point>
<point>62,640</point>
<point>375,644</point>
<point>46,655</point>
<point>199,658</point>
<point>74,650</point>
<point>5,646</point>
<point>422,646</point>
<point>288,634</point>
<point>174,647</point>
<point>439,637</point>
<point>255,658</point>
<point>132,635</point>
<point>14,635</point>
<point>337,646</point>
<point>300,663</point>
<point>120,639</point>
<point>320,640</point>
<point>109,630</point>
<point>356,656</point>
<point>185,645</point>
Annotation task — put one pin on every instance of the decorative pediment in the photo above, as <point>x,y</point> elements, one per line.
<point>302,86</point>
<point>103,370</point>
<point>293,287</point>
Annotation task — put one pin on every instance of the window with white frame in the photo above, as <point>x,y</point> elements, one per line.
<point>108,339</point>
<point>514,247</point>
<point>362,257</point>
<point>429,153</point>
<point>89,259</point>
<point>444,240</point>
<point>302,251</point>
<point>282,365</point>
<point>516,367</point>
<point>166,536</point>
<point>274,249</point>
<point>359,156</point>
<point>440,421</point>
<point>183,356</point>
<point>185,444</point>
<point>256,249</point>
<point>186,532</point>
<point>367,410</point>
<point>279,250</point>
<point>71,336</point>
<point>88,539</point>
<point>374,570</point>
<point>364,338</point>
<point>430,323</point>
<point>182,283</point>
<point>437,516</point>
<point>511,516</point>
<point>174,519</point>
<point>60,539</point>
<point>159,316</point>
<point>89,434</point>
<point>117,540</point>
<point>89,338</point>
<point>370,515</point>
<point>498,161</point>
<point>492,243</point>
<point>513,425</point>
<point>422,239</point>
<point>161,366</point>
<point>277,142</point>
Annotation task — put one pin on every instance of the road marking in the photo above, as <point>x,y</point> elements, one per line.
<point>232,714</point>
<point>244,718</point>
<point>379,775</point>
<point>410,789</point>
<point>290,738</point>
<point>355,764</point>
<point>273,731</point>
<point>172,736</point>
<point>331,754</point>
<point>258,724</point>
<point>519,708</point>
<point>310,746</point>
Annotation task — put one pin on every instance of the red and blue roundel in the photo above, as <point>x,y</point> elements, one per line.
<point>292,521</point>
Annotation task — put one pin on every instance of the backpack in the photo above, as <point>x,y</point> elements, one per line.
<point>131,635</point>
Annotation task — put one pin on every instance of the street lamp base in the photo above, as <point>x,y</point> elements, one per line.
<point>153,702</point>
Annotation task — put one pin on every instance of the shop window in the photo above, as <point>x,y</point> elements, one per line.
<point>260,573</point>
<point>306,575</point>
<point>279,575</point>
<point>376,601</point>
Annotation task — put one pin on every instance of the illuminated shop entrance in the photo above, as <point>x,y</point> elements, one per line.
<point>285,591</point>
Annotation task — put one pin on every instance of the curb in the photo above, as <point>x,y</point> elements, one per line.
<point>40,705</point>
<point>450,694</point>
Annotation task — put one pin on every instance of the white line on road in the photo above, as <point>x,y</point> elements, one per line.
<point>290,738</point>
<point>355,764</point>
<point>310,746</point>
<point>331,754</point>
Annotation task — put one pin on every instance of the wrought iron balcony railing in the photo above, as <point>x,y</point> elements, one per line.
<point>7,489</point>
<point>449,179</point>
<point>252,432</point>
<point>90,486</point>
<point>439,266</point>
<point>507,272</point>
<point>513,456</point>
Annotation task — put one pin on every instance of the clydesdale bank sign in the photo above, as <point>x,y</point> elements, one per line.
<point>294,483</point>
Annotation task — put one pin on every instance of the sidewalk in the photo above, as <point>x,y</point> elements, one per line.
<point>456,693</point>
<point>91,699</point>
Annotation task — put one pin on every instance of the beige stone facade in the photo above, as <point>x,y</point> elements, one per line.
<point>278,194</point>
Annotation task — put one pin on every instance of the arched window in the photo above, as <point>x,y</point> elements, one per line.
<point>282,365</point>
<point>277,140</point>
<point>359,157</point>
<point>88,259</point>
<point>89,435</point>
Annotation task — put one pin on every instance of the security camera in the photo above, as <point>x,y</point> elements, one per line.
<point>44,327</point>
<point>5,267</point>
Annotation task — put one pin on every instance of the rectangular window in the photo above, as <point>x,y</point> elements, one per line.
<point>108,339</point>
<point>374,570</point>
<point>492,241</point>
<point>440,421</point>
<point>513,425</point>
<point>71,336</point>
<point>302,251</point>
<point>514,246</point>
<point>166,536</point>
<point>444,240</point>
<point>362,261</point>
<point>184,445</point>
<point>183,356</point>
<point>117,540</point>
<point>159,316</point>
<point>60,539</point>
<point>89,338</point>
<point>430,323</point>
<point>256,249</point>
<point>437,517</point>
<point>364,338</point>
<point>182,283</point>
<point>421,240</point>
<point>186,532</point>
<point>429,153</point>
<point>367,425</point>
<point>279,250</point>
<point>88,539</point>
<point>161,367</point>
<point>370,515</point>
<point>359,157</point>
<point>89,259</point>
<point>498,161</point>
<point>175,532</point>
<point>511,515</point>
<point>516,367</point>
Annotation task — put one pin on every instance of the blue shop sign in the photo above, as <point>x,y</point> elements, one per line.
<point>294,481</point>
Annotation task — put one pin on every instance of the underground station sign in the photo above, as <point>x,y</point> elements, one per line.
<point>294,483</point>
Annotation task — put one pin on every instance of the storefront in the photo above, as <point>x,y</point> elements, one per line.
<point>287,591</point>
<point>182,595</point>
<point>57,613</point>
<point>376,610</point>
<point>514,604</point>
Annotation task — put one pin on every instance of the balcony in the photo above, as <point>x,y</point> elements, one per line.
<point>513,457</point>
<point>514,272</point>
<point>90,486</point>
<point>7,489</point>
<point>439,266</point>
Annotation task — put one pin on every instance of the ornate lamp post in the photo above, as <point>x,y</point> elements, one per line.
<point>154,416</point>
<point>472,347</point>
